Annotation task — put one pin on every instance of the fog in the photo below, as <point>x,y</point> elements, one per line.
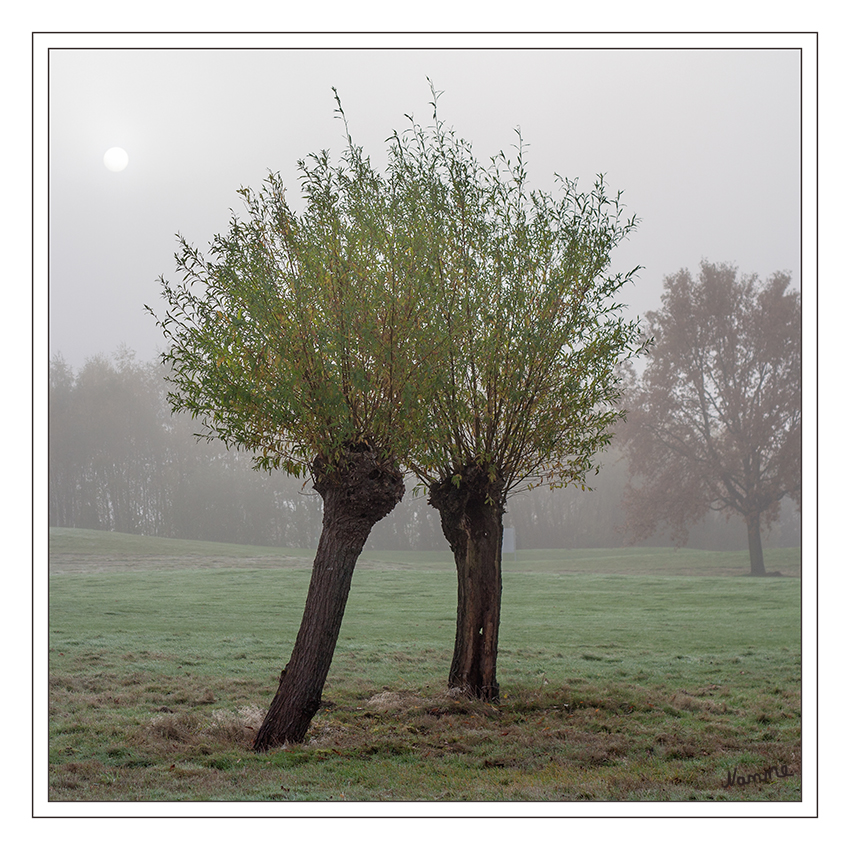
<point>703,143</point>
<point>119,461</point>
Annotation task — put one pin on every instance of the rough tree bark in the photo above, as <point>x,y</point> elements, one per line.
<point>364,491</point>
<point>471,518</point>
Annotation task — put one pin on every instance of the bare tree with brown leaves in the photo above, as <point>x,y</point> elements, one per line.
<point>715,419</point>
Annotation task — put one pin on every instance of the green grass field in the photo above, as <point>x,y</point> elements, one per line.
<point>642,674</point>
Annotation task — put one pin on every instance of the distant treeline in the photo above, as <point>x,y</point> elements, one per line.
<point>120,461</point>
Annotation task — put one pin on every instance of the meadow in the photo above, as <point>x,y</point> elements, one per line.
<point>627,675</point>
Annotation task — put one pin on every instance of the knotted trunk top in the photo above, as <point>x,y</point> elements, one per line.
<point>467,506</point>
<point>362,489</point>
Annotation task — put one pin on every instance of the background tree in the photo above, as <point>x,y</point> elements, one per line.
<point>716,416</point>
<point>120,461</point>
<point>106,445</point>
<point>527,388</point>
<point>206,491</point>
<point>300,340</point>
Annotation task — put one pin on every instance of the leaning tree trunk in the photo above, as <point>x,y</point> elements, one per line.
<point>355,498</point>
<point>754,541</point>
<point>471,517</point>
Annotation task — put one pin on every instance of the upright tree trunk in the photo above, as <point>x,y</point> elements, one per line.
<point>754,540</point>
<point>471,517</point>
<point>354,499</point>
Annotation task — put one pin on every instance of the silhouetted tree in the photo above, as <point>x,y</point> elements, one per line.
<point>715,418</point>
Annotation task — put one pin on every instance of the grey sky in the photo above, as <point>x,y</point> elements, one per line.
<point>704,144</point>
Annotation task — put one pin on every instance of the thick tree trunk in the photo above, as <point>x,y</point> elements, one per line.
<point>754,540</point>
<point>471,517</point>
<point>355,499</point>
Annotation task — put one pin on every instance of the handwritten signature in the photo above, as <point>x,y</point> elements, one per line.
<point>732,777</point>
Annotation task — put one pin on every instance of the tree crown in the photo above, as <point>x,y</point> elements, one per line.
<point>530,328</point>
<point>301,335</point>
<point>444,313</point>
<point>717,411</point>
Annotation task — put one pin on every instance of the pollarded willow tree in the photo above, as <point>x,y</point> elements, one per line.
<point>528,388</point>
<point>300,338</point>
<point>717,421</point>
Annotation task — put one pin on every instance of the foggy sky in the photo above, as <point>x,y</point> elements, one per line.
<point>703,143</point>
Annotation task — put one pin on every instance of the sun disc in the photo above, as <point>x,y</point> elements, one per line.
<point>116,159</point>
